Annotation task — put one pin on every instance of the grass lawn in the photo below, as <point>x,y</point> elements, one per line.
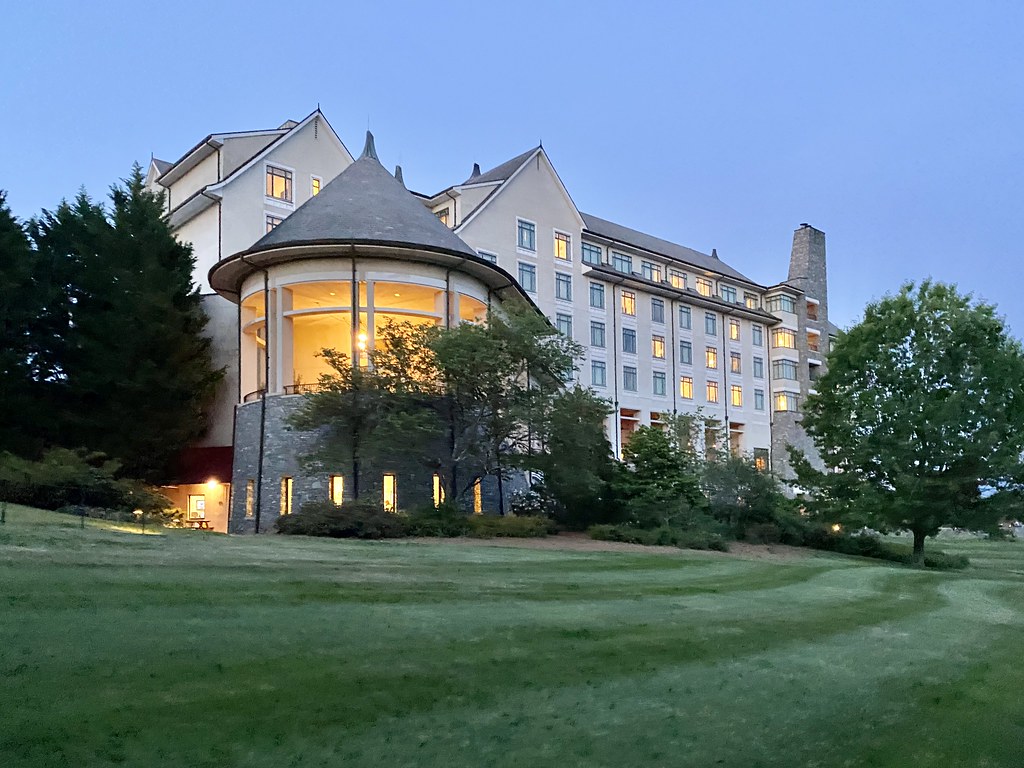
<point>192,649</point>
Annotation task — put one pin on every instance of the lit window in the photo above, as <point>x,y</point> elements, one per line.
<point>591,254</point>
<point>658,347</point>
<point>758,399</point>
<point>390,493</point>
<point>629,340</point>
<point>678,279</point>
<point>597,296</point>
<point>563,246</point>
<point>272,222</point>
<point>734,330</point>
<point>279,184</point>
<point>658,383</point>
<point>438,491</point>
<point>783,338</point>
<point>314,185</point>
<point>704,286</point>
<point>783,369</point>
<point>250,497</point>
<point>761,459</point>
<point>443,215</point>
<point>628,303</point>
<point>563,286</point>
<point>685,353</point>
<point>597,334</point>
<point>686,387</point>
<point>751,300</point>
<point>527,235</point>
<point>598,373</point>
<point>478,497</point>
<point>758,367</point>
<point>650,271</point>
<point>564,324</point>
<point>712,391</point>
<point>488,256</point>
<point>629,378</point>
<point>711,357</point>
<point>528,277</point>
<point>710,324</point>
<point>336,488</point>
<point>735,362</point>
<point>785,401</point>
<point>728,293</point>
<point>657,311</point>
<point>685,318</point>
<point>780,303</point>
<point>286,495</point>
<point>757,335</point>
<point>736,395</point>
<point>812,310</point>
<point>622,262</point>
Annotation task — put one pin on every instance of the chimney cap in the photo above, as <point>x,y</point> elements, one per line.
<point>476,171</point>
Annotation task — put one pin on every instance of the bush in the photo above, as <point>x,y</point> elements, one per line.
<point>445,519</point>
<point>489,526</point>
<point>763,533</point>
<point>62,478</point>
<point>820,537</point>
<point>664,536</point>
<point>169,518</point>
<point>352,520</point>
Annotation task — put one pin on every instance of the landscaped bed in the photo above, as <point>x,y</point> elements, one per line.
<point>192,649</point>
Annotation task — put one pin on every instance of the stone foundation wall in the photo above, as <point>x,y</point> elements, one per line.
<point>284,449</point>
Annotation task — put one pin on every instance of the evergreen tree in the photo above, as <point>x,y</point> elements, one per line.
<point>19,304</point>
<point>131,368</point>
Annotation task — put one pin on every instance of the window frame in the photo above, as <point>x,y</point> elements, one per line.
<point>657,345</point>
<point>563,280</point>
<point>590,248</point>
<point>532,268</point>
<point>657,310</point>
<point>520,248</point>
<point>629,373</point>
<point>561,318</point>
<point>598,330</point>
<point>625,295</point>
<point>599,289</point>
<point>656,377</point>
<point>630,334</point>
<point>595,366</point>
<point>270,199</point>
<point>617,256</point>
<point>556,235</point>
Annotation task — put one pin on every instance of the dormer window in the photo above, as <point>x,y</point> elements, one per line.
<point>622,263</point>
<point>704,286</point>
<point>728,294</point>
<point>443,215</point>
<point>279,184</point>
<point>314,185</point>
<point>650,271</point>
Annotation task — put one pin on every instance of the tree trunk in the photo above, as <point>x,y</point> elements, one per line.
<point>919,537</point>
<point>355,479</point>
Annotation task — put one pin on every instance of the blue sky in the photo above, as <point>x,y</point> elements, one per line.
<point>896,128</point>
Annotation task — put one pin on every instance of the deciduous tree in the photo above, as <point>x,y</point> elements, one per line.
<point>921,411</point>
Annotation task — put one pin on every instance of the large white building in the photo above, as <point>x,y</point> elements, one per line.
<point>665,328</point>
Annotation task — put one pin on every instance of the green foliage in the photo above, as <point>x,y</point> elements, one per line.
<point>491,526</point>
<point>664,536</point>
<point>444,520</point>
<point>169,518</point>
<point>117,360</point>
<point>739,495</point>
<point>922,406</point>
<point>351,520</point>
<point>63,477</point>
<point>576,460</point>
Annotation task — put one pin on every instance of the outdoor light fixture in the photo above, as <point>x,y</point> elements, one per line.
<point>836,528</point>
<point>211,484</point>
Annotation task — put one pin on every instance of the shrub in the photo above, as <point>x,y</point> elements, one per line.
<point>352,520</point>
<point>819,537</point>
<point>63,477</point>
<point>445,519</point>
<point>169,518</point>
<point>665,536</point>
<point>763,533</point>
<point>490,526</point>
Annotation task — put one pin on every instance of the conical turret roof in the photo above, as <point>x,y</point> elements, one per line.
<point>364,204</point>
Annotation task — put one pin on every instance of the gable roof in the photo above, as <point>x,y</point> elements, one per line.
<point>612,231</point>
<point>364,204</point>
<point>501,172</point>
<point>162,166</point>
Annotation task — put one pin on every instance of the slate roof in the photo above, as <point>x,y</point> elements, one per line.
<point>503,171</point>
<point>364,204</point>
<point>613,231</point>
<point>162,166</point>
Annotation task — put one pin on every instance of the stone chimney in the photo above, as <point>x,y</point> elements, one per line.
<point>807,270</point>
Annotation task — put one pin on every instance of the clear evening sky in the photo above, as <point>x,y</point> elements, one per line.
<point>895,127</point>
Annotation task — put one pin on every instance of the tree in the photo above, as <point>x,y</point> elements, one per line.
<point>576,459</point>
<point>921,411</point>
<point>739,494</point>
<point>19,307</point>
<point>129,366</point>
<point>660,480</point>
